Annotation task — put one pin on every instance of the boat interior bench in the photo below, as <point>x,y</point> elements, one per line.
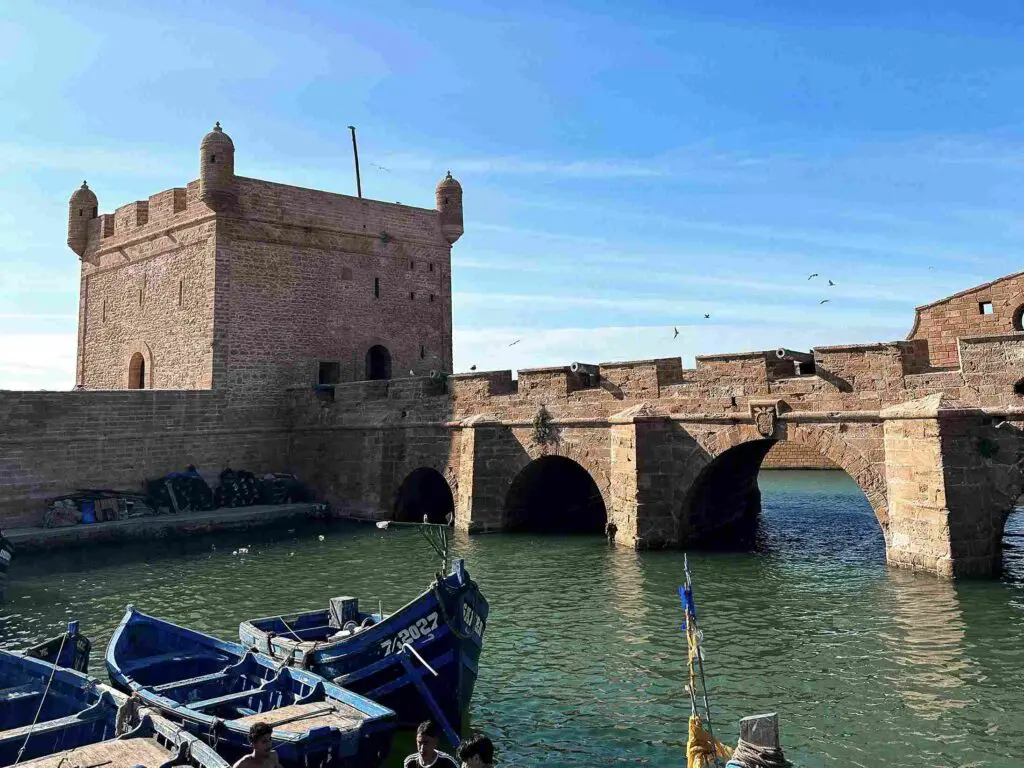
<point>252,701</point>
<point>206,659</point>
<point>193,681</point>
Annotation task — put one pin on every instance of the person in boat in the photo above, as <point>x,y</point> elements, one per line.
<point>478,752</point>
<point>427,754</point>
<point>263,754</point>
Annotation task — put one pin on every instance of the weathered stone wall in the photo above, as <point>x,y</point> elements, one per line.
<point>964,314</point>
<point>146,288</point>
<point>784,455</point>
<point>316,277</point>
<point>53,443</point>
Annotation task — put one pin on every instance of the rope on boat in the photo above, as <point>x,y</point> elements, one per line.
<point>42,700</point>
<point>749,755</point>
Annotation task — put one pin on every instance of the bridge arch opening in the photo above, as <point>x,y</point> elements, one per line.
<point>554,494</point>
<point>736,505</point>
<point>424,496</point>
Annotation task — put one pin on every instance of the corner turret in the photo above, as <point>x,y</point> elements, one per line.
<point>82,208</point>
<point>217,169</point>
<point>449,208</point>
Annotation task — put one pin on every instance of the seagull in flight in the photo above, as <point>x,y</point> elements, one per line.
<point>381,167</point>
<point>676,332</point>
<point>515,342</point>
<point>707,317</point>
<point>823,301</point>
<point>472,367</point>
<point>831,283</point>
<point>814,275</point>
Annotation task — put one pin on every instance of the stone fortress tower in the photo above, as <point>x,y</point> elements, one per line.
<point>252,286</point>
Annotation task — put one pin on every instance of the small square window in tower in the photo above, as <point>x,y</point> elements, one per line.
<point>985,308</point>
<point>330,373</point>
<point>431,297</point>
<point>412,295</point>
<point>431,266</point>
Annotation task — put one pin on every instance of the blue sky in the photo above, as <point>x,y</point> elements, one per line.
<point>628,167</point>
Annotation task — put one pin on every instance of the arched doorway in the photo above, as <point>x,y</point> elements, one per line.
<point>378,363</point>
<point>137,372</point>
<point>424,494</point>
<point>554,494</point>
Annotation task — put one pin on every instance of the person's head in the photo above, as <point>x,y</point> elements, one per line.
<point>261,738</point>
<point>426,739</point>
<point>477,752</point>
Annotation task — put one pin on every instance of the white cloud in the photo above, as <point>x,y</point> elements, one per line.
<point>32,361</point>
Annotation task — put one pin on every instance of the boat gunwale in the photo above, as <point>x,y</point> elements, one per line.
<point>321,649</point>
<point>372,714</point>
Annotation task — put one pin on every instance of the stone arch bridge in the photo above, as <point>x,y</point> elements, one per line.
<point>671,455</point>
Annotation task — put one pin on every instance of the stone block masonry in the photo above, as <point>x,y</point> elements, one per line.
<point>52,443</point>
<point>251,287</point>
<point>248,293</point>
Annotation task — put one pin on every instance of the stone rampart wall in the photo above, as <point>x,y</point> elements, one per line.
<point>54,443</point>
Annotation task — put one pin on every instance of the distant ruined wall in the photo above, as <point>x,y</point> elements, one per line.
<point>989,309</point>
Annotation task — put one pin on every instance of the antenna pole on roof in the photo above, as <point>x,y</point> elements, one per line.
<point>355,153</point>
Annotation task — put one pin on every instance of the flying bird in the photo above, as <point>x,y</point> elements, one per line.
<point>472,367</point>
<point>831,283</point>
<point>381,167</point>
<point>676,332</point>
<point>707,317</point>
<point>814,275</point>
<point>515,342</point>
<point>823,301</point>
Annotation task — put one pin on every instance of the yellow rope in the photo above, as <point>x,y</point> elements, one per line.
<point>701,748</point>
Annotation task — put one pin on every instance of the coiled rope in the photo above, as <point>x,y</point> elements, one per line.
<point>749,755</point>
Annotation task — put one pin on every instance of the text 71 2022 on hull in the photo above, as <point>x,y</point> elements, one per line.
<point>420,661</point>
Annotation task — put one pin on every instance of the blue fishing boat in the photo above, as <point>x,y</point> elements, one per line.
<point>52,717</point>
<point>70,649</point>
<point>217,690</point>
<point>420,661</point>
<point>6,554</point>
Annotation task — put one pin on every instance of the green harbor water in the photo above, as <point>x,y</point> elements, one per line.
<point>584,663</point>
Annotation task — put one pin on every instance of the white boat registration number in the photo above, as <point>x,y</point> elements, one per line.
<point>424,628</point>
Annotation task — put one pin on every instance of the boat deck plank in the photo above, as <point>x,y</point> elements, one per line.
<point>299,718</point>
<point>108,754</point>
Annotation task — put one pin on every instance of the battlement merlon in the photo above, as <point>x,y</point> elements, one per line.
<point>219,192</point>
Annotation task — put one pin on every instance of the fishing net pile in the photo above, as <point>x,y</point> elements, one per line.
<point>180,492</point>
<point>238,488</point>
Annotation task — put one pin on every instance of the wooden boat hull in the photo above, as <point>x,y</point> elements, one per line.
<point>69,650</point>
<point>6,555</point>
<point>444,625</point>
<point>77,723</point>
<point>217,690</point>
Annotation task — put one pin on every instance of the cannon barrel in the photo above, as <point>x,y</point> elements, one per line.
<point>585,369</point>
<point>791,354</point>
<point>438,375</point>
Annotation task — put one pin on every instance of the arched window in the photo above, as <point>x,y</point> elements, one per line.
<point>1018,318</point>
<point>378,363</point>
<point>137,372</point>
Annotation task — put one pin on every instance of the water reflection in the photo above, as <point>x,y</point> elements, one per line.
<point>584,663</point>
